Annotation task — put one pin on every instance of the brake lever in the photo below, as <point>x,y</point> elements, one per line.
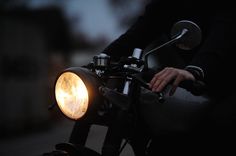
<point>160,95</point>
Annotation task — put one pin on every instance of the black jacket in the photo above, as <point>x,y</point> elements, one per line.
<point>215,53</point>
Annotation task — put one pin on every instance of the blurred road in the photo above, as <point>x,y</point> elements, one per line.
<point>37,143</point>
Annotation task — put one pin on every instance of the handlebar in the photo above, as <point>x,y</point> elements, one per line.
<point>195,87</point>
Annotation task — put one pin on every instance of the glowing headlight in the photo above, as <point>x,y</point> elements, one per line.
<point>71,95</point>
<point>76,92</point>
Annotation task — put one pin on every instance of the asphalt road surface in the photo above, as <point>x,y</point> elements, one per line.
<point>37,143</point>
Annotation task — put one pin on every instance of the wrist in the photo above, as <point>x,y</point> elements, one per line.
<point>196,71</point>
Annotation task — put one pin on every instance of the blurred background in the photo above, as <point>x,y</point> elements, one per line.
<point>38,39</point>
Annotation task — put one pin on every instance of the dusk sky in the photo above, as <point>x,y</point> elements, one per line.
<point>93,17</point>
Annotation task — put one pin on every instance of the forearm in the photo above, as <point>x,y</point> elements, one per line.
<point>216,50</point>
<point>148,26</point>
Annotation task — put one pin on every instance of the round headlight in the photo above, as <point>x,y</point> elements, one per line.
<point>77,92</point>
<point>71,95</point>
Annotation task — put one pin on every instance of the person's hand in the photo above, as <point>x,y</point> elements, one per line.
<point>167,76</point>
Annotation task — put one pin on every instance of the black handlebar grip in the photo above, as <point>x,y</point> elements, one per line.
<point>195,87</point>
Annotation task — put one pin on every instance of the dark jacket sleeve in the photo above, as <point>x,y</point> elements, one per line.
<point>141,33</point>
<point>215,56</point>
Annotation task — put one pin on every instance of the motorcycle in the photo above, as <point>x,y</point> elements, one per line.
<point>104,92</point>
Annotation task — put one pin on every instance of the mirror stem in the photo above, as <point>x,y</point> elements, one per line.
<point>174,40</point>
